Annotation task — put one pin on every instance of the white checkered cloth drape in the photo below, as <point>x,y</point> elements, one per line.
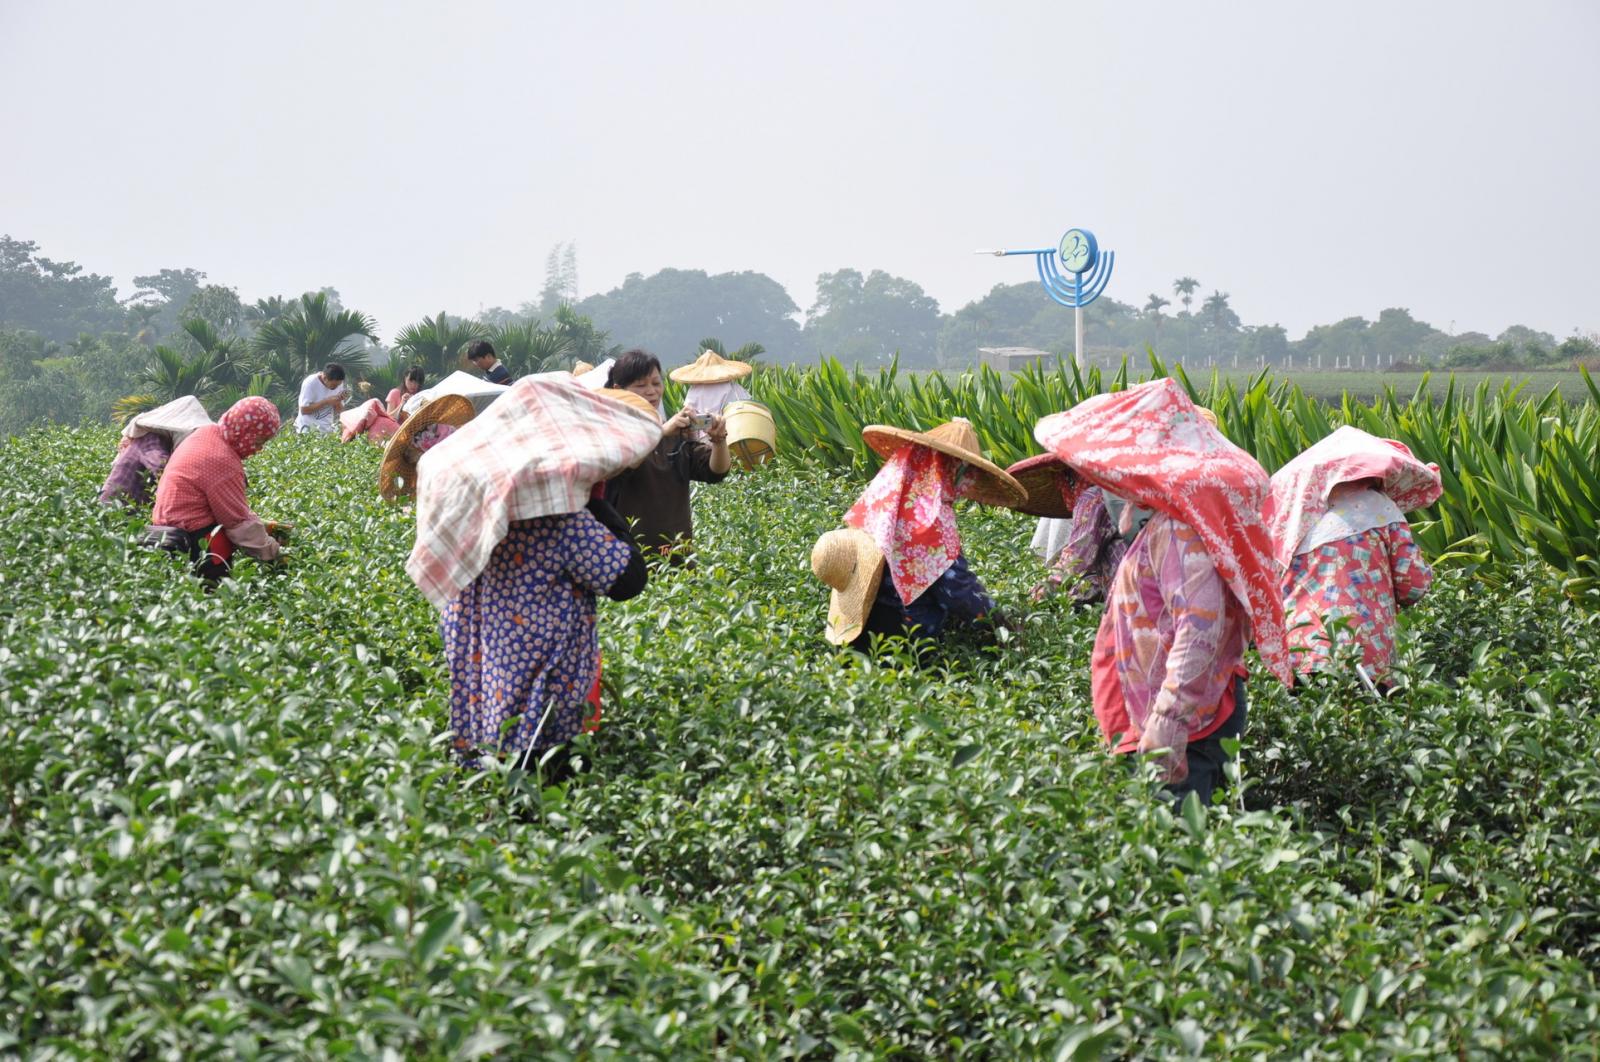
<point>537,451</point>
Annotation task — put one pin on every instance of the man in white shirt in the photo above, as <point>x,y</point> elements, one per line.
<point>322,396</point>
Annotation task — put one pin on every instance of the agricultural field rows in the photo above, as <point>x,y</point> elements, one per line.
<point>231,825</point>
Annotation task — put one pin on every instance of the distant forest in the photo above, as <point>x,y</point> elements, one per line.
<point>72,348</point>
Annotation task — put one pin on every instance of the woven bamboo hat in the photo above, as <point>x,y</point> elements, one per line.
<point>397,476</point>
<point>711,368</point>
<point>957,438</point>
<point>629,398</point>
<point>1041,477</point>
<point>581,367</point>
<point>850,564</point>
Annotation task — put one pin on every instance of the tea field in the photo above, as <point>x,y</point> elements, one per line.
<point>231,827</point>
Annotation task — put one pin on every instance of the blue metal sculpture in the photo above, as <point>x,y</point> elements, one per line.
<point>1089,269</point>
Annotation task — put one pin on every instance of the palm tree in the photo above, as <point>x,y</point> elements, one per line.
<point>265,310</point>
<point>1219,313</point>
<point>435,343</point>
<point>171,374</point>
<point>228,369</point>
<point>587,343</point>
<point>1153,306</point>
<point>1184,288</point>
<point>308,335</point>
<point>527,348</point>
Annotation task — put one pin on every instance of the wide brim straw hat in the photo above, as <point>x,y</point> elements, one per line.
<point>581,367</point>
<point>851,566</point>
<point>956,437</point>
<point>629,398</point>
<point>711,368</point>
<point>1040,478</point>
<point>398,474</point>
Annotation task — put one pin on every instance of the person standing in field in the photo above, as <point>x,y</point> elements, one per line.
<point>513,551</point>
<point>202,492</point>
<point>1197,583</point>
<point>322,396</point>
<point>897,567</point>
<point>655,495</point>
<point>1339,534</point>
<point>480,352</point>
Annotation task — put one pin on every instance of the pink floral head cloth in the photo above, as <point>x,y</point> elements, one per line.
<point>1151,445</point>
<point>248,424</point>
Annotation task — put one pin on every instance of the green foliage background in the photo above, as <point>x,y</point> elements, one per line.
<point>231,827</point>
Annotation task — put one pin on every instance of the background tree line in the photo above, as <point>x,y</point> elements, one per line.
<point>72,350</point>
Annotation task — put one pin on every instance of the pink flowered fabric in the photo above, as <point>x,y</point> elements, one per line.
<point>537,451</point>
<point>432,436</point>
<point>1300,489</point>
<point>1149,444</point>
<point>909,510</point>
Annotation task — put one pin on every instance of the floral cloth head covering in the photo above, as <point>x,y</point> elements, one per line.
<point>1300,489</point>
<point>1150,445</point>
<point>909,510</point>
<point>537,451</point>
<point>248,424</point>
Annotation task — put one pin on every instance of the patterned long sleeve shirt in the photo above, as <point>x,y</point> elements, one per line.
<point>1176,632</point>
<point>1085,565</point>
<point>1363,579</point>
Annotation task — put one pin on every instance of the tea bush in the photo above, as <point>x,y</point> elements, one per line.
<point>231,826</point>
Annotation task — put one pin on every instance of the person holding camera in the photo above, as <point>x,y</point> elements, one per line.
<point>693,448</point>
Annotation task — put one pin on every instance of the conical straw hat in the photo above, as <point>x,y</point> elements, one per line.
<point>629,398</point>
<point>850,564</point>
<point>711,368</point>
<point>398,473</point>
<point>957,438</point>
<point>1041,477</point>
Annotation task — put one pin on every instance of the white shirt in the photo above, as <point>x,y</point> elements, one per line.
<point>313,390</point>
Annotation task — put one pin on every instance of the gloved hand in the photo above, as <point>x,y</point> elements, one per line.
<point>1165,732</point>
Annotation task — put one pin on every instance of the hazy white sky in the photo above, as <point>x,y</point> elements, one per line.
<point>1314,161</point>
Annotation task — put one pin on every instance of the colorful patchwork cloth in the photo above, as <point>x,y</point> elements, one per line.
<point>1173,635</point>
<point>1362,579</point>
<point>520,638</point>
<point>1150,446</point>
<point>537,451</point>
<point>1300,489</point>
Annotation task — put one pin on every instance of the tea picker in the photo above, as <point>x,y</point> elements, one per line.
<point>713,390</point>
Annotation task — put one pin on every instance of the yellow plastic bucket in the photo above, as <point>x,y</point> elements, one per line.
<point>752,435</point>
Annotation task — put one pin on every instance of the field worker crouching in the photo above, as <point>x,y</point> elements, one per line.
<point>1167,671</point>
<point>904,525</point>
<point>655,495</point>
<point>203,490</point>
<point>378,421</point>
<point>145,447</point>
<point>1343,547</point>
<point>513,552</point>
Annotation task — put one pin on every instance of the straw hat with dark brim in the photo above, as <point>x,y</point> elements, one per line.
<point>629,398</point>
<point>397,475</point>
<point>850,564</point>
<point>959,439</point>
<point>1040,477</point>
<point>711,368</point>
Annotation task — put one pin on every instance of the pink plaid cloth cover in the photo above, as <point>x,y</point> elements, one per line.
<point>1149,445</point>
<point>537,451</point>
<point>1299,494</point>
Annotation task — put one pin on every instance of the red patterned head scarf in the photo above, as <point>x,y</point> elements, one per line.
<point>248,424</point>
<point>1300,488</point>
<point>909,510</point>
<point>1150,445</point>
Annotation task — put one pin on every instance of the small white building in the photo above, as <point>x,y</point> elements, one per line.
<point>1014,359</point>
